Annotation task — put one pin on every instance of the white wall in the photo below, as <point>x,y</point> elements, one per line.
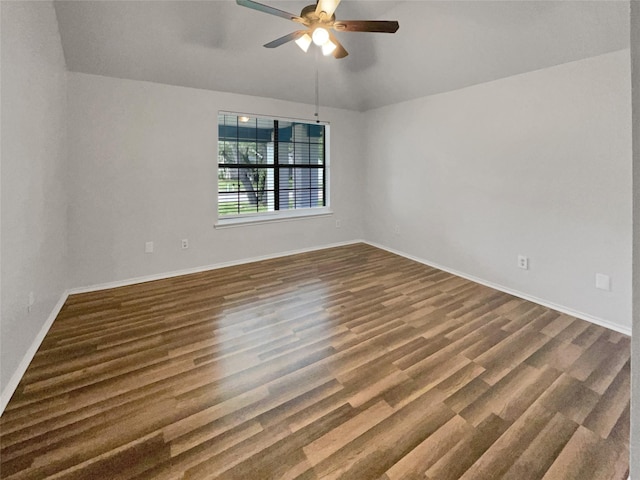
<point>536,164</point>
<point>635,341</point>
<point>33,198</point>
<point>143,168</point>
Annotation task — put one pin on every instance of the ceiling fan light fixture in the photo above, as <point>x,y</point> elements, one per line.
<point>317,20</point>
<point>328,48</point>
<point>320,36</point>
<point>304,42</point>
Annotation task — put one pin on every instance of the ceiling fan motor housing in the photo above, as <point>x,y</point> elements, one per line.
<point>309,14</point>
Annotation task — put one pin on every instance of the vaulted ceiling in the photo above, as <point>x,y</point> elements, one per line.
<point>440,46</point>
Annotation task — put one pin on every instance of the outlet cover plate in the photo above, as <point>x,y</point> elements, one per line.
<point>523,262</point>
<point>603,282</point>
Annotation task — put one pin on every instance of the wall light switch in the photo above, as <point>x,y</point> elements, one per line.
<point>603,282</point>
<point>148,247</point>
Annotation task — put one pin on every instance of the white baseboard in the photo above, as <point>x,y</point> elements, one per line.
<point>560,308</point>
<point>187,271</point>
<point>11,386</point>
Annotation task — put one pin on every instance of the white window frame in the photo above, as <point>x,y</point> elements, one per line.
<point>278,215</point>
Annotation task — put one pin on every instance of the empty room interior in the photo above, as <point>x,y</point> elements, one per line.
<point>400,242</point>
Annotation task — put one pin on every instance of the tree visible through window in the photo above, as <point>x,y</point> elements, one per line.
<point>269,165</point>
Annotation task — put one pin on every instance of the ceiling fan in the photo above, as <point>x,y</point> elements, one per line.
<point>319,20</point>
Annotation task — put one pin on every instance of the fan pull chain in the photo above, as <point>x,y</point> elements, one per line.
<point>317,114</point>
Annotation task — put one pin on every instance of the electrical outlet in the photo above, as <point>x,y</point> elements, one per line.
<point>148,247</point>
<point>523,262</point>
<point>337,223</point>
<point>185,243</point>
<point>396,229</point>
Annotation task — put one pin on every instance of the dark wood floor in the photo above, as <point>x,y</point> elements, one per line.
<point>343,363</point>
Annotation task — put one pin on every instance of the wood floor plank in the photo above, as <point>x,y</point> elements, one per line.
<point>375,451</point>
<point>337,438</point>
<point>499,457</point>
<point>348,362</point>
<point>415,463</point>
<point>464,454</point>
<point>613,402</point>
<point>570,397</point>
<point>542,450</point>
<point>584,456</point>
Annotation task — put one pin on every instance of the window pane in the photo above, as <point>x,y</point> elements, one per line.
<point>265,128</point>
<point>286,199</point>
<point>265,178</point>
<point>285,153</point>
<point>316,133</point>
<point>269,203</point>
<point>230,152</point>
<point>221,157</point>
<point>285,131</point>
<point>227,127</point>
<point>227,180</point>
<point>301,154</point>
<point>227,203</point>
<point>316,154</point>
<point>269,151</point>
<point>303,198</point>
<point>270,180</point>
<point>300,132</point>
<point>246,129</point>
<point>317,197</point>
<point>302,178</point>
<point>307,178</point>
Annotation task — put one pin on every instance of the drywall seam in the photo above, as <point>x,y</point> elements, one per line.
<point>560,308</point>
<point>11,386</point>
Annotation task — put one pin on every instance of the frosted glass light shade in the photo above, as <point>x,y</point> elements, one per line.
<point>320,36</point>
<point>328,48</point>
<point>304,41</point>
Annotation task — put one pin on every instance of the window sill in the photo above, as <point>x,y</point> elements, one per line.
<point>270,218</point>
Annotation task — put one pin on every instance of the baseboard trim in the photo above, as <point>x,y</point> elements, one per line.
<point>11,386</point>
<point>560,308</point>
<point>188,271</point>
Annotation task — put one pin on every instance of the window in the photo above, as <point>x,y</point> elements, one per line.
<point>269,166</point>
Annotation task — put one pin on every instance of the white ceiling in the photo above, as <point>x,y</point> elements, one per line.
<point>440,46</point>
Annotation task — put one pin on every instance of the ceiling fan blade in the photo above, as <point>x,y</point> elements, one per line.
<point>380,26</point>
<point>327,6</point>
<point>339,52</point>
<point>270,10</point>
<point>287,38</point>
